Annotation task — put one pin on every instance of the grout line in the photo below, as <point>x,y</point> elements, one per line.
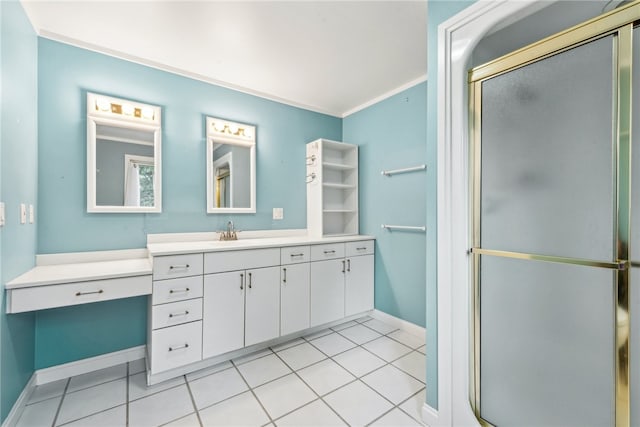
<point>253,392</point>
<point>193,400</point>
<point>127,398</point>
<point>64,393</point>
<point>409,398</point>
<point>91,415</point>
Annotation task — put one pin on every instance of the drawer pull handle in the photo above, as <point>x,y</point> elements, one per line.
<point>249,280</point>
<point>179,314</point>
<point>361,249</point>
<point>295,255</point>
<point>329,252</point>
<point>284,279</point>
<point>343,266</point>
<point>173,291</point>
<point>179,348</point>
<point>241,281</point>
<point>89,293</point>
<point>178,266</point>
<point>349,265</point>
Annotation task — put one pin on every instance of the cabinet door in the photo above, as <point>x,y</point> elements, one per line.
<point>359,285</point>
<point>327,291</point>
<point>294,298</point>
<point>223,313</point>
<point>262,321</point>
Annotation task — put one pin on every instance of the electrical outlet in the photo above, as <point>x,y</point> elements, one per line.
<point>31,214</point>
<point>23,213</point>
<point>278,213</point>
<point>3,219</point>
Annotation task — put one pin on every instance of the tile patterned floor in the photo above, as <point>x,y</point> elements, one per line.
<point>360,373</point>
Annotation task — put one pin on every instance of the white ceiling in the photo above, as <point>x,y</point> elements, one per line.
<point>329,56</point>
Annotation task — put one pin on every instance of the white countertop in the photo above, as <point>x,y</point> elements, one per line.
<point>175,248</point>
<point>79,272</point>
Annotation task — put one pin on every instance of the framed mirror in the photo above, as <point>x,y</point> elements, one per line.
<point>231,167</point>
<point>123,156</point>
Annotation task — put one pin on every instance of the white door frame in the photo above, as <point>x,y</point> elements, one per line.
<point>457,38</point>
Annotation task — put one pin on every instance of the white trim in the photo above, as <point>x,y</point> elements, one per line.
<point>409,327</point>
<point>97,256</point>
<point>90,364</point>
<point>429,415</point>
<point>457,37</point>
<point>21,402</point>
<point>385,95</point>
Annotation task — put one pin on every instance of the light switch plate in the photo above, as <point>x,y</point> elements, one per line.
<point>31,214</point>
<point>23,213</point>
<point>278,213</point>
<point>2,215</point>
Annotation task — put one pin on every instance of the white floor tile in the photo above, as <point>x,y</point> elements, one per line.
<point>39,414</point>
<point>408,339</point>
<point>413,406</point>
<point>357,403</point>
<point>115,417</point>
<point>91,400</point>
<point>284,395</point>
<point>241,410</point>
<point>387,349</point>
<point>261,370</point>
<point>287,344</point>
<point>137,366</point>
<point>188,421</point>
<point>217,387</point>
<point>252,356</point>
<point>332,344</point>
<point>315,414</point>
<point>47,391</point>
<point>210,370</point>
<point>344,325</point>
<point>318,334</point>
<point>396,418</point>
<point>423,349</point>
<point>364,319</point>
<point>414,364</point>
<point>360,334</point>
<point>161,408</point>
<point>359,361</point>
<point>379,326</point>
<point>138,386</point>
<point>97,377</point>
<point>392,383</point>
<point>301,356</point>
<point>325,376</point>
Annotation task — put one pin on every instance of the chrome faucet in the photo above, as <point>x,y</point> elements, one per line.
<point>230,234</point>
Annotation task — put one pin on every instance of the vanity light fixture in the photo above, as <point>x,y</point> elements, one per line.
<point>111,107</point>
<point>231,130</point>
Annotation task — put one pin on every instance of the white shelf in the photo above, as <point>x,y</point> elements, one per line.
<point>338,166</point>
<point>339,211</point>
<point>337,185</point>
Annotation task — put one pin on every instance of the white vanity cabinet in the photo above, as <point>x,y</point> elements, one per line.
<point>358,283</point>
<point>241,307</point>
<point>295,289</point>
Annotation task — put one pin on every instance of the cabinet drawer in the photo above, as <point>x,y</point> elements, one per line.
<point>328,251</point>
<point>176,346</point>
<point>176,289</point>
<point>218,262</point>
<point>295,254</point>
<point>169,267</point>
<point>360,248</point>
<point>50,296</point>
<point>176,313</point>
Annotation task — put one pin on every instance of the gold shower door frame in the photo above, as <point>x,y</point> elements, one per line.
<point>619,23</point>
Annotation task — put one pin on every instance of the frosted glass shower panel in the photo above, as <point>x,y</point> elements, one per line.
<point>547,156</point>
<point>546,343</point>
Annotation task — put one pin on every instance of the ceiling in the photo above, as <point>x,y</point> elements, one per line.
<point>333,57</point>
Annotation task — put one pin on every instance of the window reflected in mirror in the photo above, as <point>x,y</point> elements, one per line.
<point>230,167</point>
<point>123,156</point>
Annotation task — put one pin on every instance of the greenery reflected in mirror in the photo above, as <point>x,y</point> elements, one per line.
<point>230,167</point>
<point>123,156</point>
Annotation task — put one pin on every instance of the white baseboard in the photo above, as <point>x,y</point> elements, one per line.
<point>18,407</point>
<point>83,366</point>
<point>409,327</point>
<point>430,416</point>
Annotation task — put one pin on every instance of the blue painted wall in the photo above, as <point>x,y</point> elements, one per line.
<point>392,134</point>
<point>65,74</point>
<point>18,180</point>
<point>438,12</point>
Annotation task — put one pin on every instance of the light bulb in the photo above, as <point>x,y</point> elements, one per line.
<point>218,126</point>
<point>147,112</point>
<point>103,104</point>
<point>127,109</point>
<point>247,132</point>
<point>233,128</point>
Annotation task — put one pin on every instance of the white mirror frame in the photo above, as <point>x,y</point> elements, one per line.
<point>245,136</point>
<point>149,120</point>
